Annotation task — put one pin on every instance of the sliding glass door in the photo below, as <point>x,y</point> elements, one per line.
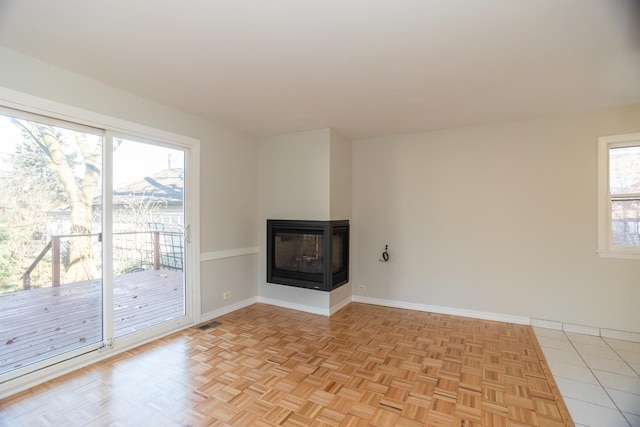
<point>148,235</point>
<point>92,240</point>
<point>51,290</point>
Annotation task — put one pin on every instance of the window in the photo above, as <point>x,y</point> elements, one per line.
<point>619,196</point>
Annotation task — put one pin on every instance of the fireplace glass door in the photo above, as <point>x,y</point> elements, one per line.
<point>299,252</point>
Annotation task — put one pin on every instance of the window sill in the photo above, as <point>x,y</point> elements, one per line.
<point>619,254</point>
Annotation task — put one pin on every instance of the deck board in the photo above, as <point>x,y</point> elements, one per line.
<point>44,322</point>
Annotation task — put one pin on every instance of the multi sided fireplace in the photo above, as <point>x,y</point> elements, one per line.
<point>308,254</point>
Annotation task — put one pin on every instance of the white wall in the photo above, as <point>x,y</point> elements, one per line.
<point>341,202</point>
<point>498,218</point>
<point>340,177</point>
<point>228,165</point>
<point>293,183</point>
<point>293,180</point>
<point>307,176</point>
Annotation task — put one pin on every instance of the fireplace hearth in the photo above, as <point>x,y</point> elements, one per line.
<point>308,254</point>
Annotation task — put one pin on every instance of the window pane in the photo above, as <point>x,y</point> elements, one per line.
<point>148,235</point>
<point>625,220</point>
<point>50,251</point>
<point>624,170</point>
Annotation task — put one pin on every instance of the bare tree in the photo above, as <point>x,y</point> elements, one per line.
<point>76,162</point>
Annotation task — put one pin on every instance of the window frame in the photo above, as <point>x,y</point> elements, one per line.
<point>605,247</point>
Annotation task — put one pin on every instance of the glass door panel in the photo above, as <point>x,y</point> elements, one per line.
<point>50,250</point>
<point>148,235</point>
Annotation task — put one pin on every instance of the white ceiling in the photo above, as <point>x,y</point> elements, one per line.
<point>363,67</point>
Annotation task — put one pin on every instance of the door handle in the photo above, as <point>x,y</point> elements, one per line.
<point>187,234</point>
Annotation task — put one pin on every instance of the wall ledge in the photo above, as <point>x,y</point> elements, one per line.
<point>229,253</point>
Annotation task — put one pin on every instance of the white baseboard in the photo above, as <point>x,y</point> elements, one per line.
<point>548,324</point>
<point>295,306</point>
<point>520,320</point>
<point>581,329</point>
<point>620,335</point>
<point>205,317</point>
<point>498,317</point>
<point>306,308</point>
<point>342,304</point>
<point>587,330</point>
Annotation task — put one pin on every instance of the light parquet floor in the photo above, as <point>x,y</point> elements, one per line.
<point>263,366</point>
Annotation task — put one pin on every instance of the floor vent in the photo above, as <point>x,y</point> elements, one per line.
<point>209,325</point>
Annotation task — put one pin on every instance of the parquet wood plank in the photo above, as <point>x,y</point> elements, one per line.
<point>269,366</point>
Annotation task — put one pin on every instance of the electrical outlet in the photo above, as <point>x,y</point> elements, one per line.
<point>362,287</point>
<point>226,295</point>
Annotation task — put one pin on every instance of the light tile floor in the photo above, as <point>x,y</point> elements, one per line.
<point>599,378</point>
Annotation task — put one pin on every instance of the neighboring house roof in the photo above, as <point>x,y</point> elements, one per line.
<point>164,187</point>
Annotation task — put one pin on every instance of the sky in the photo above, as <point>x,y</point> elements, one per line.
<point>9,134</point>
<point>132,160</point>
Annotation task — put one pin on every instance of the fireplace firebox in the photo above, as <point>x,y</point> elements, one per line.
<point>308,254</point>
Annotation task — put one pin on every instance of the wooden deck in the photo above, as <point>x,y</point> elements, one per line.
<point>41,323</point>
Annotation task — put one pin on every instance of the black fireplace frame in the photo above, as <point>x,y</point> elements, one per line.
<point>328,280</point>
